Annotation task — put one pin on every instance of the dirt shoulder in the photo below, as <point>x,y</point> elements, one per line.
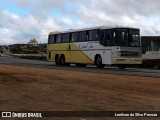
<point>39,89</point>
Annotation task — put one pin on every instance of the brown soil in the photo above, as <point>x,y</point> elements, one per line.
<point>39,89</point>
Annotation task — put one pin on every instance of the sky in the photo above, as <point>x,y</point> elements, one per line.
<point>22,20</point>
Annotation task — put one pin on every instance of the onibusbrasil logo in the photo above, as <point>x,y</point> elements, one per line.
<point>21,114</point>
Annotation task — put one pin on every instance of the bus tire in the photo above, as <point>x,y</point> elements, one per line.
<point>98,62</point>
<point>63,61</point>
<point>57,60</point>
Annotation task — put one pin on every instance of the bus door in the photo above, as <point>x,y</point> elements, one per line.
<point>106,37</point>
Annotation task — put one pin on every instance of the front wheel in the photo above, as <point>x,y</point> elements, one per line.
<point>98,62</point>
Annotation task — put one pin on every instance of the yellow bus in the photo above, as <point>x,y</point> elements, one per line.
<point>98,46</point>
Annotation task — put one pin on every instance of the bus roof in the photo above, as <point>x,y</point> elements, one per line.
<point>91,28</point>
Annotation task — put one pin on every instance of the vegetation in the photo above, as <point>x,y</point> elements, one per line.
<point>42,58</point>
<point>28,49</point>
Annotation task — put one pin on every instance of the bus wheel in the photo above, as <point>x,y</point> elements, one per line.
<point>122,67</point>
<point>63,61</point>
<point>57,61</point>
<point>98,62</point>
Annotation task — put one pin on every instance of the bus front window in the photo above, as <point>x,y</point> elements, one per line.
<point>120,37</point>
<point>134,38</point>
<point>126,37</point>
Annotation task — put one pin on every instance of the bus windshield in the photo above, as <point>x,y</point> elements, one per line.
<point>126,37</point>
<point>134,37</point>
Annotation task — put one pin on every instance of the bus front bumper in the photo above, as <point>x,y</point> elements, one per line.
<point>126,60</point>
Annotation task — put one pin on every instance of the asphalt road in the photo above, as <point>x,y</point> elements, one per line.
<point>4,59</point>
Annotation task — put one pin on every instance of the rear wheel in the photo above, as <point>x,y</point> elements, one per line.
<point>57,61</point>
<point>98,62</point>
<point>63,61</point>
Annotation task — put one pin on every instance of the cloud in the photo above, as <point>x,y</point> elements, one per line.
<point>134,13</point>
<point>23,28</point>
<point>22,20</point>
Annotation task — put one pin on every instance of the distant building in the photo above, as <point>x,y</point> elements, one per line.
<point>4,49</point>
<point>33,42</point>
<point>150,43</point>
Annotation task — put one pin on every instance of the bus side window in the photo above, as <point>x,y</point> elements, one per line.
<point>93,35</point>
<point>49,39</point>
<point>83,36</point>
<point>75,37</point>
<point>63,38</point>
<point>55,37</point>
<point>87,35</point>
<point>58,38</point>
<point>52,38</point>
<point>70,37</point>
<point>66,37</point>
